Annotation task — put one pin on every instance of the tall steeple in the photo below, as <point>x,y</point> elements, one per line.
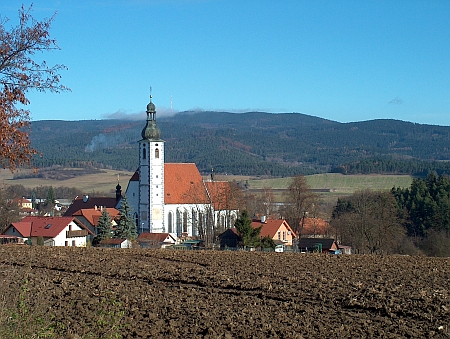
<point>150,211</point>
<point>151,130</point>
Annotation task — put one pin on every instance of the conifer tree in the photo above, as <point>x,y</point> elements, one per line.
<point>103,227</point>
<point>126,227</point>
<point>250,236</point>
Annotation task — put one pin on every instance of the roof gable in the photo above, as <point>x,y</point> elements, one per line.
<point>160,237</point>
<point>92,215</point>
<point>23,227</point>
<point>270,227</point>
<point>112,241</point>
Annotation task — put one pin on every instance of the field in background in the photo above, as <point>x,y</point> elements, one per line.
<point>99,183</point>
<point>337,184</point>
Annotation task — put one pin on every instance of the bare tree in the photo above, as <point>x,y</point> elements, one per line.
<point>300,202</point>
<point>20,73</point>
<point>9,210</point>
<point>369,222</point>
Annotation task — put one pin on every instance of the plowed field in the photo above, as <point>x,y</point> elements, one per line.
<point>137,293</point>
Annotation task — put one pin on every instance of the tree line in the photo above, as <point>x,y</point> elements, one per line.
<point>409,220</point>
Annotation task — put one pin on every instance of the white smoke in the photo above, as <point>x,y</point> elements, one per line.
<point>102,141</point>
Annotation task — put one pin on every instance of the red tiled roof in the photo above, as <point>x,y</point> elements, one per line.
<point>23,227</point>
<point>160,237</point>
<point>92,215</point>
<point>79,204</point>
<point>47,227</point>
<point>315,226</point>
<point>271,227</point>
<point>220,194</point>
<point>183,184</point>
<point>112,241</point>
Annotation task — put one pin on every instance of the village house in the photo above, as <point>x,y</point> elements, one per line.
<point>115,243</point>
<point>276,229</point>
<point>25,207</point>
<point>89,217</point>
<point>319,245</point>
<point>156,240</point>
<point>54,231</point>
<point>314,228</point>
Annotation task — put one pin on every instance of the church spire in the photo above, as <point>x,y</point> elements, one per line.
<point>151,130</point>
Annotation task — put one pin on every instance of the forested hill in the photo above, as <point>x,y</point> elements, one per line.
<point>253,143</point>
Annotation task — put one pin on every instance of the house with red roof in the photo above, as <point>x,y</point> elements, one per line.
<point>155,240</point>
<point>25,206</point>
<point>315,228</point>
<point>115,243</point>
<point>86,202</point>
<point>276,229</point>
<point>89,217</point>
<point>55,231</point>
<point>173,197</point>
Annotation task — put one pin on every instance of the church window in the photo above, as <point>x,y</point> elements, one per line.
<point>185,221</point>
<point>157,153</point>
<point>179,224</point>
<point>144,155</point>
<point>170,222</point>
<point>194,223</point>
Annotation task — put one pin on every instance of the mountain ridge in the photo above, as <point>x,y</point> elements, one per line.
<point>258,143</point>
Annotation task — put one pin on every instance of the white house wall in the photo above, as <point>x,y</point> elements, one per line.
<point>60,239</point>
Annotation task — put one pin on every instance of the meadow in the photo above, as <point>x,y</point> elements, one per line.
<point>338,184</point>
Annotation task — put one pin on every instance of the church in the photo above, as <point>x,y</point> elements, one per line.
<point>173,197</point>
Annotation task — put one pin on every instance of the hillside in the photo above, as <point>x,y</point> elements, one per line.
<point>253,143</point>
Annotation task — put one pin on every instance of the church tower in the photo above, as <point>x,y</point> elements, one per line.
<point>151,176</point>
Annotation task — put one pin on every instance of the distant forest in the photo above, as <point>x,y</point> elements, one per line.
<point>254,143</point>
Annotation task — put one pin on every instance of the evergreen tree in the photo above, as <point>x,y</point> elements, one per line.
<point>250,236</point>
<point>126,227</point>
<point>103,227</point>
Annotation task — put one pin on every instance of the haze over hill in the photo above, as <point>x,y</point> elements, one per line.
<point>254,143</point>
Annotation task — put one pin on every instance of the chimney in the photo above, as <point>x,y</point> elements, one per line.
<point>85,198</point>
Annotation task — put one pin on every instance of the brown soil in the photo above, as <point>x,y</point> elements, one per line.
<point>137,293</point>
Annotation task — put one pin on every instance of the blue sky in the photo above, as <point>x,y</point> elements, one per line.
<point>339,60</point>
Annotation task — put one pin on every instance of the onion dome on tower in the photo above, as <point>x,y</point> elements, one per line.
<point>151,131</point>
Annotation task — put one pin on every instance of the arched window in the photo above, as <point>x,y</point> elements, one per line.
<point>194,223</point>
<point>144,153</point>
<point>157,153</point>
<point>170,229</point>
<point>185,221</point>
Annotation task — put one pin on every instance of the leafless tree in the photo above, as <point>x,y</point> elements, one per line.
<point>300,202</point>
<point>369,222</point>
